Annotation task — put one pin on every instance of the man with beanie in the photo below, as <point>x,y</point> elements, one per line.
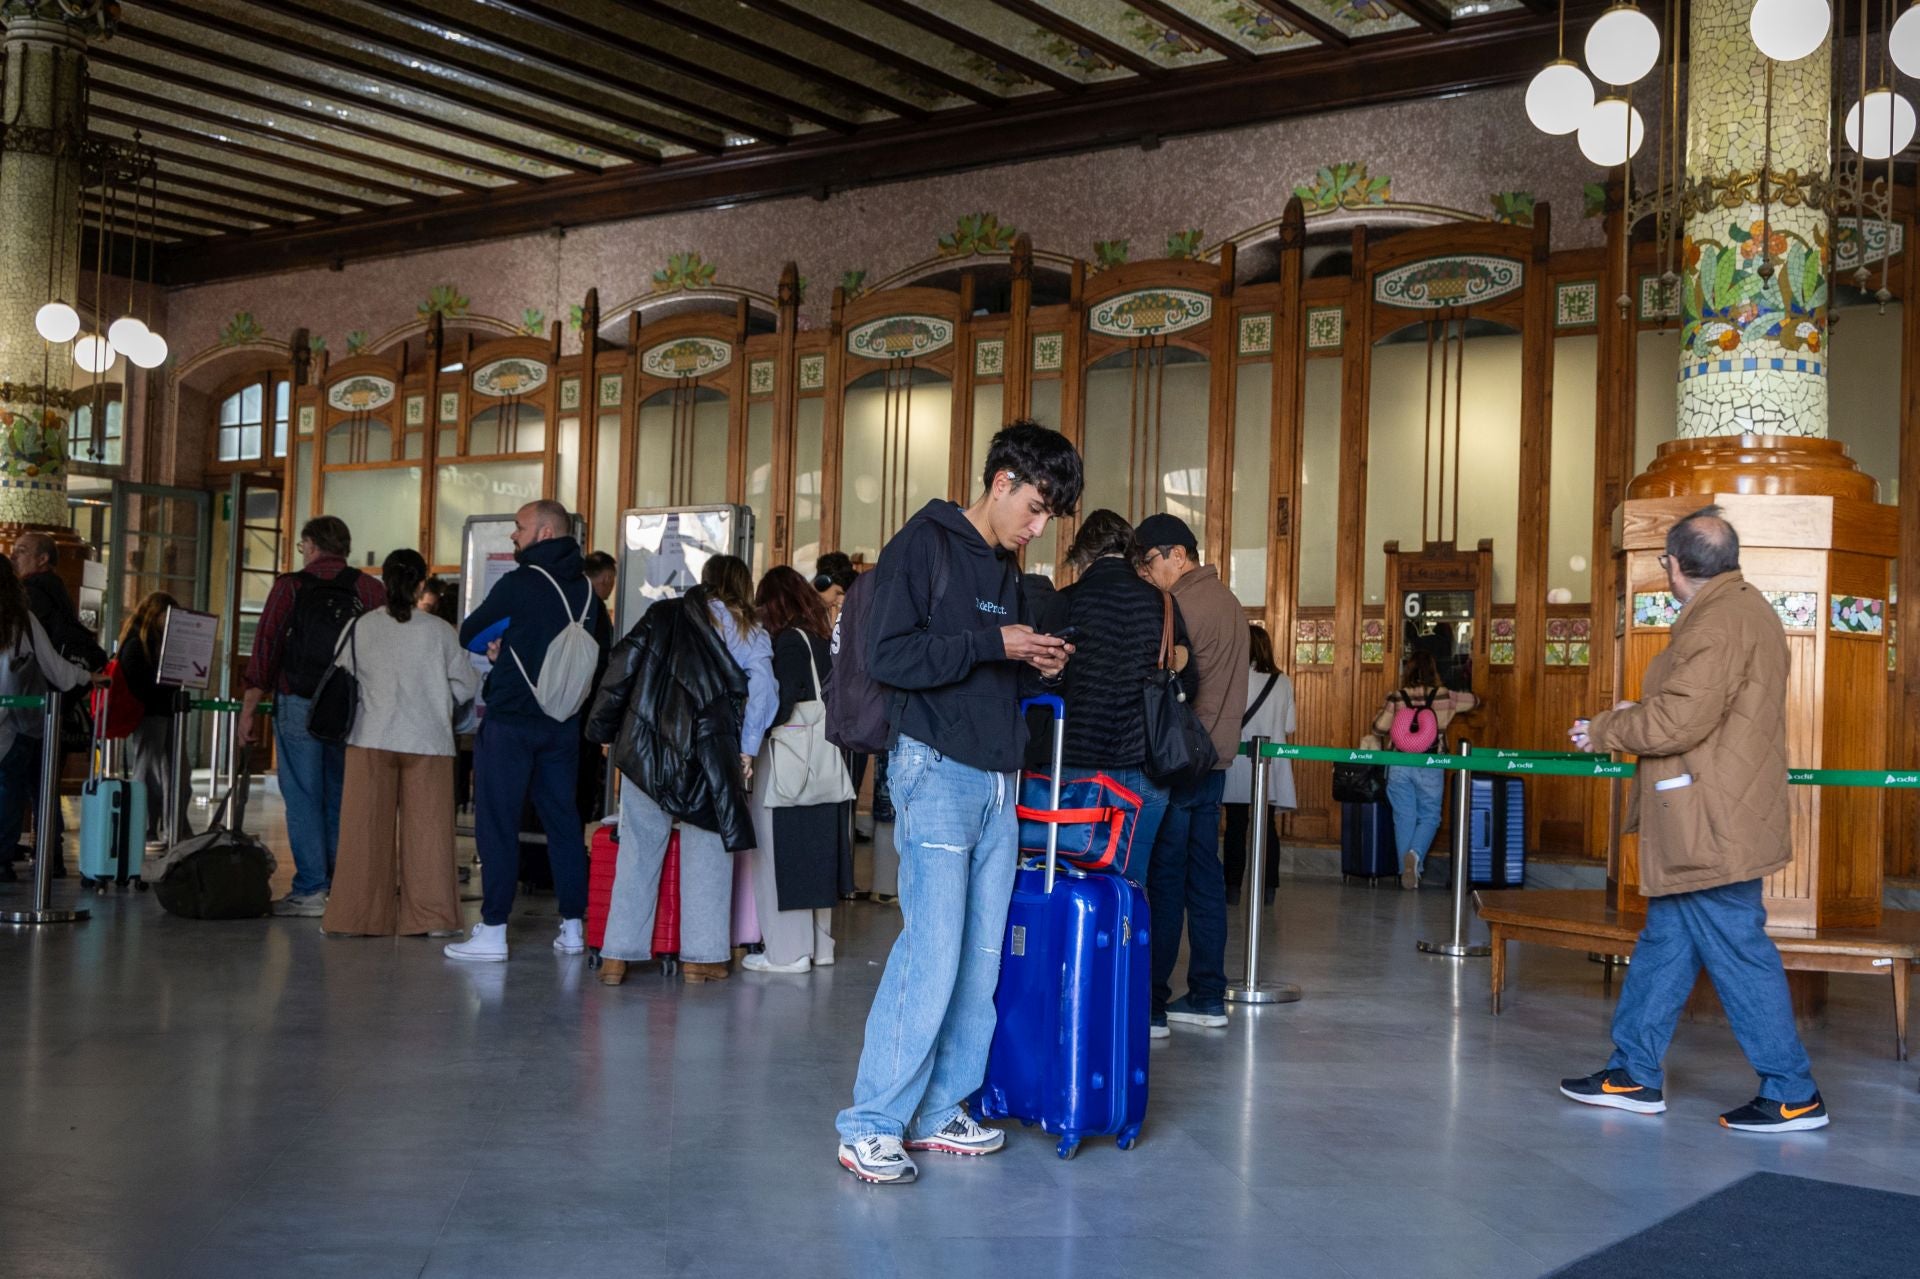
<point>1186,883</point>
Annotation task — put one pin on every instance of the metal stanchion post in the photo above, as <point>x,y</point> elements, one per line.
<point>41,912</point>
<point>1252,990</point>
<point>1459,947</point>
<point>182,777</point>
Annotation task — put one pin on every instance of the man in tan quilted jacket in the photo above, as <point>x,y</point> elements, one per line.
<point>1710,804</point>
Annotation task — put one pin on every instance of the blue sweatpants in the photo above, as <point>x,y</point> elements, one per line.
<point>1723,929</point>
<point>514,760</point>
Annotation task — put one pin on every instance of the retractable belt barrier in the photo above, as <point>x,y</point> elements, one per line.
<point>1559,764</point>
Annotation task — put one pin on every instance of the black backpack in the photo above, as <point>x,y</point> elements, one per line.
<point>859,707</point>
<point>322,607</point>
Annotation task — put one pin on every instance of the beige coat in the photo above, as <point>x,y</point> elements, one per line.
<point>1217,630</point>
<point>1710,795</point>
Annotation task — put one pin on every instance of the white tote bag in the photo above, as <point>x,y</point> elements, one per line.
<point>803,767</point>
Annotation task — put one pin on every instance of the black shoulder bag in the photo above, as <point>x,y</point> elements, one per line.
<point>336,702</point>
<point>1179,751</point>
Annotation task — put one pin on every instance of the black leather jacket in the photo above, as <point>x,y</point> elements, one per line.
<point>670,705</point>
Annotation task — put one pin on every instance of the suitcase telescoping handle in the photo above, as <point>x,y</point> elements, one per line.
<point>1059,708</point>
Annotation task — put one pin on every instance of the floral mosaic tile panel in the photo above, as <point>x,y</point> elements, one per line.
<point>1372,652</point>
<point>1857,615</point>
<point>570,394</point>
<point>610,388</point>
<point>1657,301</point>
<point>1449,281</point>
<point>306,419</point>
<point>416,410</point>
<point>990,357</point>
<point>813,372</point>
<point>1798,610</point>
<point>449,406</point>
<point>1256,334</point>
<point>1049,350</point>
<point>1655,609</point>
<point>1500,652</point>
<point>1326,328</point>
<point>1576,303</point>
<point>760,377</point>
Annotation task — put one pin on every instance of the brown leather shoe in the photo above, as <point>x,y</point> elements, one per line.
<point>612,971</point>
<point>705,972</point>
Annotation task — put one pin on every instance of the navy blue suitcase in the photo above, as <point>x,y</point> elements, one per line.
<point>1497,833</point>
<point>1071,1038</point>
<point>1366,843</point>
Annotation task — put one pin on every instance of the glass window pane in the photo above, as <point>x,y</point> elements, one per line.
<point>477,488</point>
<point>567,458</point>
<point>1489,408</point>
<point>379,442</point>
<point>1656,394</point>
<point>810,416</point>
<point>1317,523</point>
<point>1046,402</point>
<point>282,398</point>
<point>1252,480</point>
<point>1863,392</point>
<point>989,405</point>
<point>1146,435</point>
<point>381,508</point>
<point>250,403</point>
<point>760,479</point>
<point>698,478</point>
<point>653,452</point>
<point>249,442</point>
<point>1576,389</point>
<point>230,410</point>
<point>303,484</point>
<point>895,454</point>
<point>606,483</point>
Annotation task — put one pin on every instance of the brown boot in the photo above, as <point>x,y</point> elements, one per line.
<point>704,972</point>
<point>612,971</point>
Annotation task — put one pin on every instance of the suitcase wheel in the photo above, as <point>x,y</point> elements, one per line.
<point>669,966</point>
<point>1129,1138</point>
<point>593,959</point>
<point>1069,1147</point>
<point>140,885</point>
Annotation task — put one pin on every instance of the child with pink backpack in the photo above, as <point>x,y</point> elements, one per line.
<point>1414,719</point>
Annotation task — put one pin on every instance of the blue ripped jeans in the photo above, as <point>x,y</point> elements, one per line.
<point>932,1018</point>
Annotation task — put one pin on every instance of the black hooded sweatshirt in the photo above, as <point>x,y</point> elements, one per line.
<point>957,691</point>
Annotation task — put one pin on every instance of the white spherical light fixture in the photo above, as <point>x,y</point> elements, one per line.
<point>1612,133</point>
<point>1903,42</point>
<point>126,333</point>
<point>1788,30</point>
<point>94,353</point>
<point>1622,46</point>
<point>1889,122</point>
<point>151,352</point>
<point>1560,98</point>
<point>57,322</point>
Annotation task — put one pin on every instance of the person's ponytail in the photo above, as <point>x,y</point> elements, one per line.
<point>403,573</point>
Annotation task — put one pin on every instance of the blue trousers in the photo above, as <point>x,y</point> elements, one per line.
<point>313,774</point>
<point>1416,796</point>
<point>1723,929</point>
<point>1186,884</point>
<point>1153,810</point>
<point>512,761</point>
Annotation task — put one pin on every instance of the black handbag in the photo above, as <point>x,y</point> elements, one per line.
<point>1359,783</point>
<point>1179,751</point>
<point>336,702</point>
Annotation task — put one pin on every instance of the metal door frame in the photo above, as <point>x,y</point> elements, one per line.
<point>116,544</point>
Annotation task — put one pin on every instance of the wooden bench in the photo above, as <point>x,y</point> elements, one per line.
<point>1586,921</point>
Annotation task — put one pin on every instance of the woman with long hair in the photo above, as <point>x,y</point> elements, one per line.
<point>29,664</point>
<point>1415,719</point>
<point>803,862</point>
<point>150,745</point>
<point>728,688</point>
<point>396,874</point>
<point>1269,714</point>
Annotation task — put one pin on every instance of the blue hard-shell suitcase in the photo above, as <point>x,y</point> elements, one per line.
<point>113,831</point>
<point>1366,842</point>
<point>1497,833</point>
<point>1071,1041</point>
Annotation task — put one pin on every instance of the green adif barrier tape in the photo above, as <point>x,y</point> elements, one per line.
<point>23,702</point>
<point>228,705</point>
<point>1560,764</point>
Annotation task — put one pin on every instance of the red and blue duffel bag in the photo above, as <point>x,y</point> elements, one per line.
<point>1096,820</point>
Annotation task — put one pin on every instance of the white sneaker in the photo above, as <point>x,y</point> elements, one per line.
<point>823,961</point>
<point>758,963</point>
<point>572,939</point>
<point>878,1159</point>
<point>301,905</point>
<point>488,944</point>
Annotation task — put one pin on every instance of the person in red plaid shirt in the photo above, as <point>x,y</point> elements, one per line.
<point>299,629</point>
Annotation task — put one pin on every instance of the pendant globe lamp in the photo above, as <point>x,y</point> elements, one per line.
<point>1612,132</point>
<point>1788,30</point>
<point>57,322</point>
<point>126,332</point>
<point>1560,95</point>
<point>94,353</point>
<point>1903,42</point>
<point>151,353</point>
<point>1622,46</point>
<point>1881,124</point>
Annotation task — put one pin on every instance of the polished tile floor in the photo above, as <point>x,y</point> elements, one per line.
<point>200,1099</point>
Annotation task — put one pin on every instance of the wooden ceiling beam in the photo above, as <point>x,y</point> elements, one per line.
<point>173,174</point>
<point>774,56</point>
<point>106,56</point>
<point>603,79</point>
<point>1503,49</point>
<point>1198,32</point>
<point>448,54</point>
<point>498,105</point>
<point>973,42</point>
<point>1431,14</point>
<point>122,223</point>
<point>166,194</point>
<point>1298,16</point>
<point>127,33</point>
<point>100,88</point>
<point>558,19</point>
<point>174,161</point>
<point>270,159</point>
<point>793,15</point>
<point>1112,50</point>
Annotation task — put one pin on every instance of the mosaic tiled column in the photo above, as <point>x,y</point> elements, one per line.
<point>1753,345</point>
<point>45,106</point>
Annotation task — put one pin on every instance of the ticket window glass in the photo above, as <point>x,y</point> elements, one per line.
<point>896,425</point>
<point>1442,623</point>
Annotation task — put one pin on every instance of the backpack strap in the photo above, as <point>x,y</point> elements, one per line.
<point>1261,700</point>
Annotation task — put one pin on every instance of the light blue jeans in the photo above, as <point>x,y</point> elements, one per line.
<point>932,1018</point>
<point>312,776</point>
<point>1414,794</point>
<point>1723,930</point>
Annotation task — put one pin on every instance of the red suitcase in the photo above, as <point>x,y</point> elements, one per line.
<point>603,857</point>
<point>666,913</point>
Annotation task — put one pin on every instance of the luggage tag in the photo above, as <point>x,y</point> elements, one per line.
<point>1675,783</point>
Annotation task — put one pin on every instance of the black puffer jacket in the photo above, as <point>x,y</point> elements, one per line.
<point>1119,617</point>
<point>670,704</point>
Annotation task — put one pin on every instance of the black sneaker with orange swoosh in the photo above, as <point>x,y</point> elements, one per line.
<point>1763,1114</point>
<point>1615,1088</point>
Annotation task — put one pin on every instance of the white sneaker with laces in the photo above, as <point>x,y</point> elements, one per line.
<point>878,1159</point>
<point>960,1135</point>
<point>488,944</point>
<point>572,939</point>
<point>759,963</point>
